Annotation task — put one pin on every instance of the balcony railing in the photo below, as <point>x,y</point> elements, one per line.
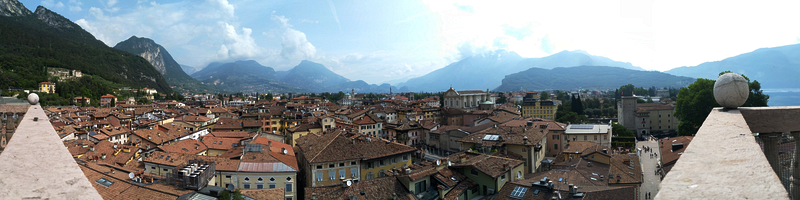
<point>37,165</point>
<point>725,161</point>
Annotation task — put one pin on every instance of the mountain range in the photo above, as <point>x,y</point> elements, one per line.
<point>486,71</point>
<point>602,77</point>
<point>307,76</point>
<point>30,42</point>
<point>160,58</point>
<point>776,67</point>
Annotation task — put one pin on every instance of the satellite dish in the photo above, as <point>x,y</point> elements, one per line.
<point>230,187</point>
<point>349,183</point>
<point>438,162</point>
<point>131,175</point>
<point>285,151</point>
<point>449,163</point>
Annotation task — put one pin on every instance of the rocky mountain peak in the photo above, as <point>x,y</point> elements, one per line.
<point>13,8</point>
<point>147,49</point>
<point>52,19</point>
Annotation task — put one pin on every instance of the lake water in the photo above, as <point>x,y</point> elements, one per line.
<point>783,96</point>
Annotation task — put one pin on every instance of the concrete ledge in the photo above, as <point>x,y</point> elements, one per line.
<point>36,165</point>
<point>772,119</point>
<point>723,162</point>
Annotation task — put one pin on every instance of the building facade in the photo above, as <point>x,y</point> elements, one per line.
<point>597,133</point>
<point>47,87</point>
<point>467,100</point>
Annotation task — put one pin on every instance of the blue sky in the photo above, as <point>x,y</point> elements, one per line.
<point>385,41</point>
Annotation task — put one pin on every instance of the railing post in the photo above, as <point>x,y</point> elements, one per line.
<point>771,150</point>
<point>795,192</point>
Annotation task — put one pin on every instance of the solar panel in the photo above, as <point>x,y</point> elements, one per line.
<point>491,137</point>
<point>518,192</point>
<point>583,126</point>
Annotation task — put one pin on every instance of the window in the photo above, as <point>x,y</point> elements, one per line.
<point>474,172</point>
<point>228,176</point>
<point>331,174</point>
<point>353,172</point>
<point>319,166</point>
<point>331,165</point>
<point>341,173</point>
<point>381,173</point>
<point>259,186</point>
<point>381,162</point>
<point>605,137</point>
<point>518,192</point>
<point>165,170</point>
<point>394,160</point>
<point>419,187</point>
<point>341,164</point>
<point>288,198</point>
<point>246,178</point>
<point>288,187</point>
<point>289,178</point>
<point>370,176</point>
<point>584,137</point>
<point>319,176</point>
<point>519,174</point>
<point>353,163</point>
<point>595,137</point>
<point>555,146</point>
<point>153,168</point>
<point>369,165</point>
<point>104,182</point>
<point>261,179</point>
<point>246,186</point>
<point>271,185</point>
<point>555,137</point>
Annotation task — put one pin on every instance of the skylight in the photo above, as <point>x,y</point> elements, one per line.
<point>518,192</point>
<point>104,182</point>
<point>491,137</point>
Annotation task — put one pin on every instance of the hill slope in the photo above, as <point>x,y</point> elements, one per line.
<point>29,43</point>
<point>158,56</point>
<point>488,70</point>
<point>243,76</point>
<point>536,79</point>
<point>776,67</point>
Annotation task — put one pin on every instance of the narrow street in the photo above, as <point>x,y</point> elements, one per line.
<point>652,181</point>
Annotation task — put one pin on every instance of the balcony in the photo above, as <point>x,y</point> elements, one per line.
<point>726,160</point>
<point>36,165</point>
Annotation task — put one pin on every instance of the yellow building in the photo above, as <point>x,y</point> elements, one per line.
<point>47,87</point>
<point>338,156</point>
<point>540,109</point>
<point>300,131</point>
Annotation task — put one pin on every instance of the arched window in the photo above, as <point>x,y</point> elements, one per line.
<point>370,176</point>
<point>519,175</point>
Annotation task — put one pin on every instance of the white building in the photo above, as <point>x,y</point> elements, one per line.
<point>467,100</point>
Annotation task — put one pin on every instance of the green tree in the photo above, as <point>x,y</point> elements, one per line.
<point>502,99</point>
<point>544,95</point>
<point>572,117</point>
<point>227,195</point>
<point>694,103</point>
<point>620,130</point>
<point>269,97</point>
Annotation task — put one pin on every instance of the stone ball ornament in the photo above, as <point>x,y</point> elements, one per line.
<point>731,90</point>
<point>33,98</point>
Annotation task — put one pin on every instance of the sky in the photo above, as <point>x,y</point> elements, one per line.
<point>391,41</point>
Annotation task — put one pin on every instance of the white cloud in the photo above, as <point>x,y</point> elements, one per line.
<point>52,4</point>
<point>111,3</point>
<point>75,5</point>
<point>294,44</point>
<point>238,46</point>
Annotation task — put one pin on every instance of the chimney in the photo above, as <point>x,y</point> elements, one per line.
<point>571,189</point>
